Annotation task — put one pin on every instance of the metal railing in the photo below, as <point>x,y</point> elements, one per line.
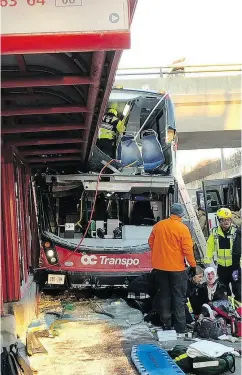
<point>180,69</point>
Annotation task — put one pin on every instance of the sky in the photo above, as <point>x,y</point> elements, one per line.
<point>204,32</point>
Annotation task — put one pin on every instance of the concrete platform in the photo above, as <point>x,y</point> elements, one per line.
<point>96,344</point>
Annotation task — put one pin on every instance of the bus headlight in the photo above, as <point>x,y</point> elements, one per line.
<point>50,253</point>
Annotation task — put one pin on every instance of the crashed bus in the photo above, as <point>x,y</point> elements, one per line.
<point>56,79</point>
<point>94,226</point>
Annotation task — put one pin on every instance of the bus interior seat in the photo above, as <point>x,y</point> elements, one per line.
<point>101,212</point>
<point>142,214</point>
<point>153,156</point>
<point>128,152</point>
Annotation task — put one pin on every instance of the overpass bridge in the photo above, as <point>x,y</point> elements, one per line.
<point>208,107</point>
<point>228,173</point>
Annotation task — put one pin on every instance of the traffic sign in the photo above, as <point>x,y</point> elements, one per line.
<point>63,16</point>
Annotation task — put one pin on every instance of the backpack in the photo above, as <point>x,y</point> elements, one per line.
<point>202,365</point>
<point>9,366</point>
<point>231,316</point>
<point>208,328</point>
<point>12,363</point>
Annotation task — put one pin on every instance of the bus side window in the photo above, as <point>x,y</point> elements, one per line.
<point>200,199</point>
<point>213,200</point>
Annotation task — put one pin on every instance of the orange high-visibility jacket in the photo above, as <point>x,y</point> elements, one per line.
<point>170,242</point>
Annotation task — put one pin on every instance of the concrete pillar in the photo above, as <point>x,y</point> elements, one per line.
<point>222,160</point>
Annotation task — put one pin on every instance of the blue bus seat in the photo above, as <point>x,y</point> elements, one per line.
<point>128,152</point>
<point>152,154</point>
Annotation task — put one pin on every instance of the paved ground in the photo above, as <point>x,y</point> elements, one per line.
<point>95,344</point>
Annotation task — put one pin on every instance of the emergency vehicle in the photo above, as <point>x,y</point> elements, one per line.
<point>218,193</point>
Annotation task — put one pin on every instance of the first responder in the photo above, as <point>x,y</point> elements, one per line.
<point>110,129</point>
<point>236,217</point>
<point>201,215</point>
<point>170,242</point>
<point>220,244</point>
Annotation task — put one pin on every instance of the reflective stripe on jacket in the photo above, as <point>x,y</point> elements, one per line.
<point>219,245</point>
<point>171,242</point>
<point>110,126</point>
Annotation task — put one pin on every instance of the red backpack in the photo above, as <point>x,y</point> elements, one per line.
<point>231,317</point>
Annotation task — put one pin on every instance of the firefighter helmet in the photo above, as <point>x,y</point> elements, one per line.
<point>224,213</point>
<point>113,110</point>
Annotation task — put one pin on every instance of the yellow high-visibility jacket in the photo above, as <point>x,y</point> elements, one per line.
<point>219,246</point>
<point>110,127</point>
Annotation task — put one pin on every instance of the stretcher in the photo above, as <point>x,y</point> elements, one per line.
<point>150,359</point>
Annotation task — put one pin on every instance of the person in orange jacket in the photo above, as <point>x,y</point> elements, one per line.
<point>171,243</point>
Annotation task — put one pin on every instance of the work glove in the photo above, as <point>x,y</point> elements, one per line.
<point>235,275</point>
<point>192,271</point>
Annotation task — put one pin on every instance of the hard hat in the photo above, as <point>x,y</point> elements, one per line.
<point>112,110</point>
<point>224,213</point>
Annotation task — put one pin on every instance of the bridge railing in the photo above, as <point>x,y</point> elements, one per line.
<point>171,70</point>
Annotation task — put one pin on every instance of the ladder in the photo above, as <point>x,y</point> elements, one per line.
<point>197,233</point>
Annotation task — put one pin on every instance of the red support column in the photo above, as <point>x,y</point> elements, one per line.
<point>23,217</point>
<point>27,202</point>
<point>3,279</point>
<point>35,241</point>
<point>6,251</point>
<point>10,248</point>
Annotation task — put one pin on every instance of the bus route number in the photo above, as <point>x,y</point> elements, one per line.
<point>58,3</point>
<point>14,3</point>
<point>68,3</point>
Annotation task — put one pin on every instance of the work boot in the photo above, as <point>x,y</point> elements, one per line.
<point>154,318</point>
